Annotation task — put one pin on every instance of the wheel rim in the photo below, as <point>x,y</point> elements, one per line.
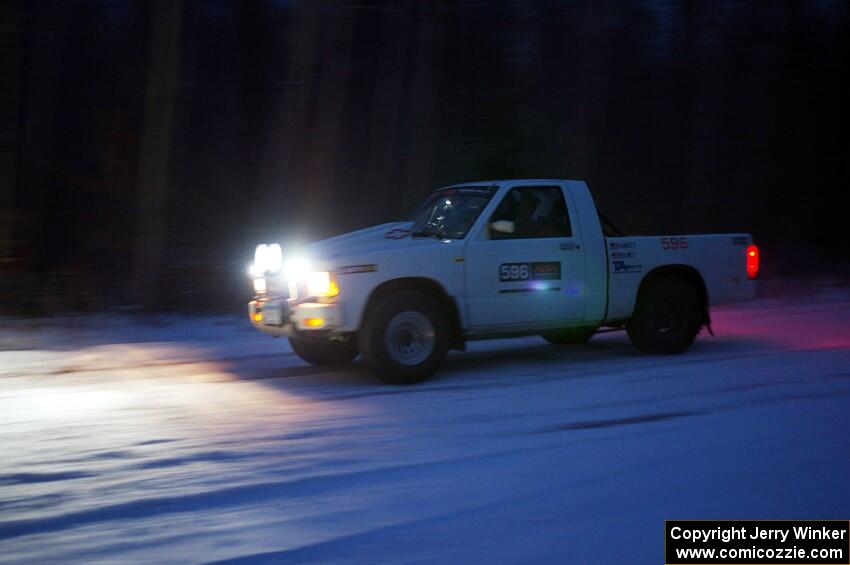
<point>409,338</point>
<point>667,317</point>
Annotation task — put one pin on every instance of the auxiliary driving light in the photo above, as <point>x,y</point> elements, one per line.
<point>296,268</point>
<point>268,258</point>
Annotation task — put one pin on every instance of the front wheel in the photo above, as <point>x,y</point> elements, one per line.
<point>322,351</point>
<point>667,317</point>
<point>406,338</point>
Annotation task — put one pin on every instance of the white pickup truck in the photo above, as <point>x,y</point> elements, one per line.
<point>493,259</point>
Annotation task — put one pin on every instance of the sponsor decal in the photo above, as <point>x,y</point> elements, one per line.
<point>623,267</point>
<point>622,245</point>
<point>622,254</point>
<point>474,190</point>
<point>546,271</point>
<point>538,271</point>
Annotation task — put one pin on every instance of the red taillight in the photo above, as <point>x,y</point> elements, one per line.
<point>752,261</point>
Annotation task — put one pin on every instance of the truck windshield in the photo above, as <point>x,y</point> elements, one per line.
<point>449,213</point>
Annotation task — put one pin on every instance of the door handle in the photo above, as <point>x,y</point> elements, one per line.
<point>570,246</point>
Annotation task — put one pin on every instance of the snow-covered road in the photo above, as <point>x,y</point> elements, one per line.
<point>202,440</point>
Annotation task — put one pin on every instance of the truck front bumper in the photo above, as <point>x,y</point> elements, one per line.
<point>280,318</point>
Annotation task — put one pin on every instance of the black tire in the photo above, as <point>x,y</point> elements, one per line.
<point>668,316</point>
<point>405,338</point>
<point>322,351</point>
<point>569,336</point>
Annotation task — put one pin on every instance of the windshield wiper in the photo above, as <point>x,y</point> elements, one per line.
<point>426,233</point>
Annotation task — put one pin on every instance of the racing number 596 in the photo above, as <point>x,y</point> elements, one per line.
<point>674,243</point>
<point>513,272</point>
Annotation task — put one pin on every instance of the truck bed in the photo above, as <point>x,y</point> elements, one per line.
<point>719,258</point>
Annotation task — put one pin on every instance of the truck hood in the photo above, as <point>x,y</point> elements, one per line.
<point>390,236</point>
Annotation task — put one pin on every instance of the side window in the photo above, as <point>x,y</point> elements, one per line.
<point>531,212</point>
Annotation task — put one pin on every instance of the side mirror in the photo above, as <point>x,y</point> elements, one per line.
<point>503,226</point>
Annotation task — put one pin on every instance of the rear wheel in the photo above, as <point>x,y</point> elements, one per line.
<point>569,336</point>
<point>406,338</point>
<point>667,317</point>
<point>323,351</point>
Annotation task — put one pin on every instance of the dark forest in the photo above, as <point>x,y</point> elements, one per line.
<point>147,147</point>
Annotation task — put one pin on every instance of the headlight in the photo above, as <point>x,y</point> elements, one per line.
<point>296,268</point>
<point>322,283</point>
<point>260,286</point>
<point>268,258</point>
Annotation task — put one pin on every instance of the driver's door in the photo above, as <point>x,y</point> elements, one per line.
<point>526,269</point>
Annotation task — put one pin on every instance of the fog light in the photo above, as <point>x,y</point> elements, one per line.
<point>258,317</point>
<point>314,322</point>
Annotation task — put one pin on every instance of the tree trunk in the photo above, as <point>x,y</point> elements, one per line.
<point>151,201</point>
